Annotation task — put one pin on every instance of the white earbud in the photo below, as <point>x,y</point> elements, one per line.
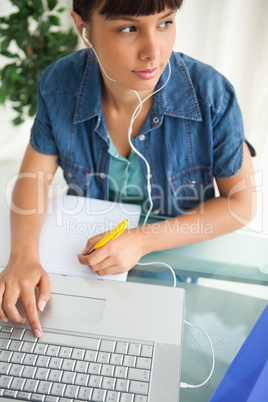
<point>86,38</point>
<point>92,47</point>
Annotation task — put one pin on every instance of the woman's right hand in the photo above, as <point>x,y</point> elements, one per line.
<point>18,281</point>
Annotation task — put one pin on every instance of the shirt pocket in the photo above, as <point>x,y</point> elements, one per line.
<point>192,187</point>
<point>77,177</point>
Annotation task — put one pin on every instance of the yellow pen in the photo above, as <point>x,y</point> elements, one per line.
<point>117,231</point>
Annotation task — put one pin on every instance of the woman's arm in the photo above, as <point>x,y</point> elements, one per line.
<point>24,272</point>
<point>234,208</point>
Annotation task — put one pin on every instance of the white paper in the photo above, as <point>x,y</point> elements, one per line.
<point>69,223</point>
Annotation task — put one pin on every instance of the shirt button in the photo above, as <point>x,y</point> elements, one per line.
<point>102,175</point>
<point>156,212</point>
<point>148,176</point>
<point>69,174</point>
<point>193,183</point>
<point>142,137</point>
<point>156,120</point>
<point>117,155</point>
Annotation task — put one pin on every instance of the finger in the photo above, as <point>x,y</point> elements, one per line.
<point>9,302</point>
<point>112,270</point>
<point>44,292</point>
<point>30,308</point>
<point>3,316</point>
<point>94,258</point>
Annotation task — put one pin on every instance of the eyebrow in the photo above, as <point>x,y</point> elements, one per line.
<point>131,19</point>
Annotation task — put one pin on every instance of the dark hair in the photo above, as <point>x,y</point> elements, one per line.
<point>111,8</point>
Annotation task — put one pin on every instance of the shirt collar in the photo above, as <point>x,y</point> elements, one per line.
<point>178,98</point>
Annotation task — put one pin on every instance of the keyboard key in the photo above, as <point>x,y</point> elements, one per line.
<point>16,370</point>
<point>5,355</point>
<point>146,351</point>
<point>95,381</point>
<point>30,359</point>
<point>121,347</point>
<point>116,359</point>
<point>134,349</point>
<point>112,396</point>
<point>29,336</point>
<point>58,389</point>
<point>81,379</point>
<point>68,364</point>
<point>5,381</point>
<point>90,356</point>
<point>17,384</point>
<point>107,346</point>
<point>44,387</point>
<point>37,398</point>
<point>94,368</point>
<point>65,352</point>
<point>140,398</point>
<point>129,361</point>
<point>17,357</point>
<point>143,362</point>
<point>15,346</point>
<point>71,391</point>
<point>55,362</point>
<point>27,347</point>
<point>40,348</point>
<point>41,374</point>
<point>108,383</point>
<point>42,361</point>
<point>4,368</point>
<point>17,333</point>
<point>98,395</point>
<point>85,393</point>
<point>78,354</point>
<point>30,385</point>
<point>68,377</point>
<point>9,393</point>
<point>51,398</point>
<point>122,385</point>
<point>28,372</point>
<point>52,350</point>
<point>121,372</point>
<point>107,370</point>
<point>4,343</point>
<point>127,398</point>
<point>55,375</point>
<point>81,367</point>
<point>25,396</point>
<point>138,374</point>
<point>103,357</point>
<point>137,387</point>
<point>6,329</point>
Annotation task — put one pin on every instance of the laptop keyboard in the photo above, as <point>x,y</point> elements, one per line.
<point>92,369</point>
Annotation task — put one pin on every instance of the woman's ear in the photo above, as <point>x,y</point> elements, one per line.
<point>79,23</point>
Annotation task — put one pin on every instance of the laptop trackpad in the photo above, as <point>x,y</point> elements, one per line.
<point>72,312</point>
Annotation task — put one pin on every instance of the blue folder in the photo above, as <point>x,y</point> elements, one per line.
<point>246,380</point>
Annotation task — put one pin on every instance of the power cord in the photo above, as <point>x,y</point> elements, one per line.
<point>184,384</point>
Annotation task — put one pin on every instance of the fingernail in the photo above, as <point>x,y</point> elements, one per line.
<point>42,305</point>
<point>37,333</point>
<point>4,319</point>
<point>23,321</point>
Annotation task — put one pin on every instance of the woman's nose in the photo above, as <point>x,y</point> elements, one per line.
<point>149,49</point>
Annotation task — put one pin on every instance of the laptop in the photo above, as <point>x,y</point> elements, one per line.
<point>102,341</point>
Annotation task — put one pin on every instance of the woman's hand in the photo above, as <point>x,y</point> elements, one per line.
<point>18,281</point>
<point>116,256</point>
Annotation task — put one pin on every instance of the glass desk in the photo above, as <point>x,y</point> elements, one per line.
<point>227,315</point>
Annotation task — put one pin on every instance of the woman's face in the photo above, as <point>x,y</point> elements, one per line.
<point>134,50</point>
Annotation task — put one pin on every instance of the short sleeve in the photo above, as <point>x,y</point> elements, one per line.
<point>42,139</point>
<point>228,137</point>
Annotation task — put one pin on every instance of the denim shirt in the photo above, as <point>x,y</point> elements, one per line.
<point>192,133</point>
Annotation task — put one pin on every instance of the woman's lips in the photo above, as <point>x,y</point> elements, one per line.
<point>147,74</point>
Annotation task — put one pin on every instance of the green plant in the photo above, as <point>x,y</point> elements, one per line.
<point>33,39</point>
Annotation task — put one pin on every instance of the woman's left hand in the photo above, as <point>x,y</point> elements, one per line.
<point>116,256</point>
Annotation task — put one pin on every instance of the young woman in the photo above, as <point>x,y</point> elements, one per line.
<point>190,132</point>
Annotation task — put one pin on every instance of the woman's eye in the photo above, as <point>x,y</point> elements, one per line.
<point>165,24</point>
<point>128,29</point>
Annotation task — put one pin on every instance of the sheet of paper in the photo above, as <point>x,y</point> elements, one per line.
<point>70,222</point>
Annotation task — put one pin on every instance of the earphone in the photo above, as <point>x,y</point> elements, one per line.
<point>92,47</point>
